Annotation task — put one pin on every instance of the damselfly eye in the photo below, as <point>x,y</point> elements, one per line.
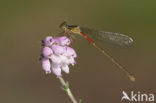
<point>63,25</point>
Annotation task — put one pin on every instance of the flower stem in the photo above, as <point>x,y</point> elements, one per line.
<point>67,89</point>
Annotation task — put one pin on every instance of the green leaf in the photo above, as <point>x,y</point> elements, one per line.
<point>63,88</point>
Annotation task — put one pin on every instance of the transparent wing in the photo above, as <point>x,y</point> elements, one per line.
<point>108,37</point>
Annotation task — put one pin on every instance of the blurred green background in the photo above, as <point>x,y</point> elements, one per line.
<point>94,79</point>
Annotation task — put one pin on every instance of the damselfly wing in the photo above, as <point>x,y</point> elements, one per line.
<point>108,37</point>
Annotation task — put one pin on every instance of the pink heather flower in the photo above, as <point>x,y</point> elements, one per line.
<point>63,40</point>
<point>57,55</point>
<point>70,52</point>
<point>59,50</point>
<point>56,59</point>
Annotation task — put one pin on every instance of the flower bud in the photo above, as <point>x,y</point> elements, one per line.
<point>70,52</point>
<point>48,41</point>
<point>56,59</point>
<point>46,65</point>
<point>56,69</point>
<point>47,52</point>
<point>65,68</point>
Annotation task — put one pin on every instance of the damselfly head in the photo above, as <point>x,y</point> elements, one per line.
<point>63,25</point>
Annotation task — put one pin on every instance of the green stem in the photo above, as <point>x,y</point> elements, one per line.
<point>68,91</point>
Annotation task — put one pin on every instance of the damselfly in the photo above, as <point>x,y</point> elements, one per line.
<point>110,37</point>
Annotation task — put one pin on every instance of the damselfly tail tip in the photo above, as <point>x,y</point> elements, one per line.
<point>130,41</point>
<point>132,78</point>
